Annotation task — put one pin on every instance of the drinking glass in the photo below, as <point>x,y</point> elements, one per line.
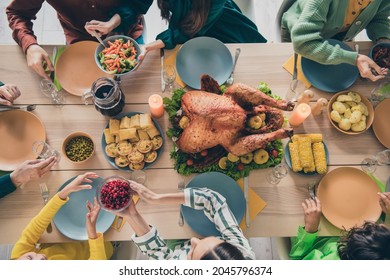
<point>169,76</point>
<point>277,173</point>
<point>369,164</point>
<point>138,176</point>
<point>295,89</point>
<point>43,151</point>
<point>49,90</point>
<point>383,157</point>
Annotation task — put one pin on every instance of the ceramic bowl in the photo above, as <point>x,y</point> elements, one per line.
<point>84,153</point>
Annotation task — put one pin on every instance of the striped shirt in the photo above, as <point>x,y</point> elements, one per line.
<point>216,210</point>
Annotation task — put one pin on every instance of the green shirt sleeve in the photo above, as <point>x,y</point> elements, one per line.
<point>6,185</point>
<point>379,26</point>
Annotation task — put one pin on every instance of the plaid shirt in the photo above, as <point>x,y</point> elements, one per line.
<point>215,208</point>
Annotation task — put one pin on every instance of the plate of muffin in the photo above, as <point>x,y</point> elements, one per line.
<point>132,141</point>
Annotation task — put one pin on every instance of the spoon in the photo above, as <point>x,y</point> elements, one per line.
<point>98,38</point>
<point>230,80</point>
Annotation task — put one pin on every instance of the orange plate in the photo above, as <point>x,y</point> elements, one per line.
<point>76,68</point>
<point>349,197</point>
<point>381,122</point>
<point>18,130</point>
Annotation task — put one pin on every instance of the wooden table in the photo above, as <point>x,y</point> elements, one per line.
<point>258,62</point>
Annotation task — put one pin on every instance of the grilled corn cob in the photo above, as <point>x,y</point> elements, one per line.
<point>319,158</point>
<point>294,155</point>
<point>314,137</point>
<point>305,153</point>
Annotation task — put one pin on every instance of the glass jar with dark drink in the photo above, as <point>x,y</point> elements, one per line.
<point>107,96</point>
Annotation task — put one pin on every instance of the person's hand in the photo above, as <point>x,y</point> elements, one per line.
<point>8,93</point>
<point>36,57</point>
<point>103,27</point>
<point>312,212</point>
<point>384,202</point>
<point>129,212</point>
<point>91,218</point>
<point>366,67</point>
<point>144,193</point>
<point>76,185</point>
<point>31,170</point>
<point>158,44</point>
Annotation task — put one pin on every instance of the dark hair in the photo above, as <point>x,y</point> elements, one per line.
<point>194,20</point>
<point>369,242</point>
<point>223,251</point>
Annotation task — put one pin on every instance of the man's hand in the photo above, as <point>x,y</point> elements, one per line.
<point>36,57</point>
<point>312,211</point>
<point>366,67</point>
<point>103,27</point>
<point>31,170</point>
<point>8,93</point>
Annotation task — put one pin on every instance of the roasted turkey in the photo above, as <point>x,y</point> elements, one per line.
<point>221,119</point>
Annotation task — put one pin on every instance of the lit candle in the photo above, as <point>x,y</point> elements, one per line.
<point>156,106</point>
<point>317,108</point>
<point>301,112</point>
<point>305,96</point>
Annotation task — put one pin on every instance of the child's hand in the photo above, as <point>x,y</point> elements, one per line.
<point>91,218</point>
<point>312,211</point>
<point>384,202</point>
<point>76,184</point>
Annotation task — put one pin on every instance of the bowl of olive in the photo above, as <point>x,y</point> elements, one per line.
<point>78,147</point>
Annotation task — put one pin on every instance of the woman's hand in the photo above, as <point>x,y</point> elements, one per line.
<point>8,93</point>
<point>384,202</point>
<point>76,185</point>
<point>103,27</point>
<point>312,212</point>
<point>158,44</point>
<point>144,193</point>
<point>36,58</point>
<point>366,66</point>
<point>91,218</point>
<point>31,170</point>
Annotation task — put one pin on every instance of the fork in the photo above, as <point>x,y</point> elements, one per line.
<point>45,197</point>
<point>29,108</point>
<point>180,187</point>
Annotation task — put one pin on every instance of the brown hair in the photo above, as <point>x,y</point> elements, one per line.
<point>194,20</point>
<point>223,251</point>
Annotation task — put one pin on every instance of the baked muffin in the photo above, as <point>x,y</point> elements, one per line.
<point>111,150</point>
<point>124,148</point>
<point>136,166</point>
<point>144,146</point>
<point>122,161</point>
<point>157,142</point>
<point>135,157</point>
<point>151,156</point>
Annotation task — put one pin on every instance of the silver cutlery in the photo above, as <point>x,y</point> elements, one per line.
<point>180,187</point>
<point>163,85</point>
<point>312,187</point>
<point>29,108</point>
<point>97,36</point>
<point>246,195</point>
<point>230,80</point>
<point>45,196</point>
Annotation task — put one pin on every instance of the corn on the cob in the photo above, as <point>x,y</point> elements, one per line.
<point>305,152</point>
<point>319,158</point>
<point>294,155</point>
<point>314,137</point>
<point>309,169</point>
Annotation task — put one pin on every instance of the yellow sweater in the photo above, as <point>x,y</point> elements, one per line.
<point>93,249</point>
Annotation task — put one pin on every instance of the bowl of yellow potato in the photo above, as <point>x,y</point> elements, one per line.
<point>350,112</point>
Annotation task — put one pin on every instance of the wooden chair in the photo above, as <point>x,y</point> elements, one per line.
<point>125,250</point>
<point>283,245</point>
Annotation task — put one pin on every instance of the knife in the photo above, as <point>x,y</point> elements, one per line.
<point>246,189</point>
<point>162,70</point>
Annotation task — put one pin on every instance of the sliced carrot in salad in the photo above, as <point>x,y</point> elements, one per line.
<point>119,57</point>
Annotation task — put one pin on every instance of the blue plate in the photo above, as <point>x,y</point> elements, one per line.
<point>70,219</point>
<point>330,78</point>
<point>288,159</point>
<point>203,55</point>
<point>222,184</point>
<point>112,160</point>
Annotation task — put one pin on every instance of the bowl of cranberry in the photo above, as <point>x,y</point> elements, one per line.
<point>114,193</point>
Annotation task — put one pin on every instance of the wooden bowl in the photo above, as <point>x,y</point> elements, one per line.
<point>369,120</point>
<point>75,135</point>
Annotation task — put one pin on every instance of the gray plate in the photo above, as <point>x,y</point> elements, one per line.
<point>203,55</point>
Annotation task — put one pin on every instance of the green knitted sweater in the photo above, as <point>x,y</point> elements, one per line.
<point>311,22</point>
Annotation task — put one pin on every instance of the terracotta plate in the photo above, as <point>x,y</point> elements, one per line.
<point>381,122</point>
<point>349,197</point>
<point>18,130</point>
<point>76,69</point>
